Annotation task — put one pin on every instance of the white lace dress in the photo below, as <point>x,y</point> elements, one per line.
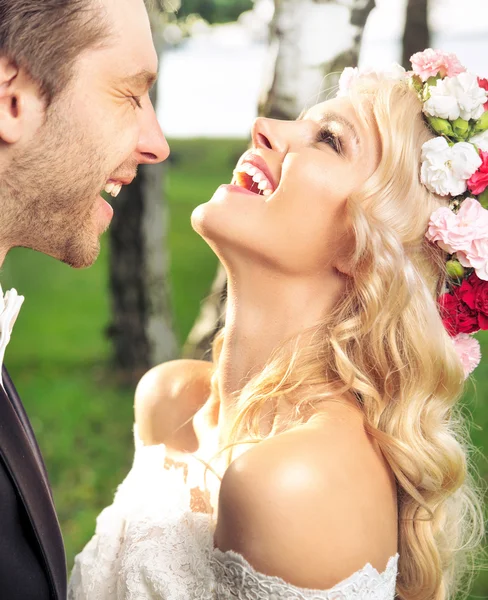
<point>155,542</point>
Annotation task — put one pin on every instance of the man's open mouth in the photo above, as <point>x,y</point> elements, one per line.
<point>113,189</point>
<point>113,186</point>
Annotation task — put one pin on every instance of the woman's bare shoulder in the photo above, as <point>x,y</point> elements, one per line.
<point>168,396</point>
<point>311,505</point>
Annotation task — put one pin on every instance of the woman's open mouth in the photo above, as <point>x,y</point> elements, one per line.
<point>252,174</point>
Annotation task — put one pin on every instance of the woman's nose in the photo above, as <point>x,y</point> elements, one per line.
<point>270,134</point>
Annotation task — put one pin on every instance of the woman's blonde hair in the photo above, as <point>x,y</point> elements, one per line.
<point>385,343</point>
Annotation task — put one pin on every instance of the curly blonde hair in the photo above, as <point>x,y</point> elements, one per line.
<point>385,343</point>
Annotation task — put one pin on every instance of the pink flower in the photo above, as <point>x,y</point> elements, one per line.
<point>457,232</point>
<point>464,233</point>
<point>430,63</point>
<point>478,182</point>
<point>483,83</point>
<point>469,352</point>
<point>476,257</point>
<point>442,222</point>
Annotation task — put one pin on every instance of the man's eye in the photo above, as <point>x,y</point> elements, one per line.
<point>137,100</point>
<point>325,135</point>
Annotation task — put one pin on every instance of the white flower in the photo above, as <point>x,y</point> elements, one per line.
<point>445,107</point>
<point>396,72</point>
<point>348,76</point>
<point>481,140</point>
<point>454,97</point>
<point>446,169</point>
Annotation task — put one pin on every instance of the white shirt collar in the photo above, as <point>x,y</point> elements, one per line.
<point>9,310</point>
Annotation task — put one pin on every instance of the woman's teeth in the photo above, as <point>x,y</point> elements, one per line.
<point>113,189</point>
<point>264,185</point>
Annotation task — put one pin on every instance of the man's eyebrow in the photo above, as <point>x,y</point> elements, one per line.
<point>329,117</point>
<point>143,78</point>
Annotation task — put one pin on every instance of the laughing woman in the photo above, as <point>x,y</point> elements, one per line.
<point>323,453</point>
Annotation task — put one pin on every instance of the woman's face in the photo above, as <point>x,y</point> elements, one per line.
<point>297,222</point>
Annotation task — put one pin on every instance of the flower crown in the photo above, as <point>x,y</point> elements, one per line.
<point>455,164</point>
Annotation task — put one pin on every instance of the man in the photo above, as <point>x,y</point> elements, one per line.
<point>75,118</point>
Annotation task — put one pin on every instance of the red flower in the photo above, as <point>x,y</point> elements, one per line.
<point>479,180</point>
<point>457,316</point>
<point>474,293</point>
<point>483,83</point>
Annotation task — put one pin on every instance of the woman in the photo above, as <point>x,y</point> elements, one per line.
<point>327,457</point>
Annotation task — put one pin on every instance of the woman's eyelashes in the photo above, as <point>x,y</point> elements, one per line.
<point>327,136</point>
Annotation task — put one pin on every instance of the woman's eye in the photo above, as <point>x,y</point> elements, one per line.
<point>328,137</point>
<point>137,100</point>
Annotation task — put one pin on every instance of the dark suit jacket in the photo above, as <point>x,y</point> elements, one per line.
<point>32,560</point>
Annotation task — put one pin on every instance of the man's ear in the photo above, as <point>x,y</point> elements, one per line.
<point>10,125</point>
<point>18,95</point>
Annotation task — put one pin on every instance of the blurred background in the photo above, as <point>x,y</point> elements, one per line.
<point>83,339</point>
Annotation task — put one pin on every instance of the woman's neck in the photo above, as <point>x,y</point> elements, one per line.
<point>260,318</point>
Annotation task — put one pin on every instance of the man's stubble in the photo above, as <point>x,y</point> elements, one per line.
<point>50,190</point>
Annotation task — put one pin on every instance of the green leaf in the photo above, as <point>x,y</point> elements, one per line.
<point>481,124</point>
<point>455,269</point>
<point>441,126</point>
<point>461,128</point>
<point>483,198</point>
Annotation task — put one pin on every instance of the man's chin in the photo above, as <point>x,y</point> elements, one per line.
<point>79,265</point>
<point>80,256</point>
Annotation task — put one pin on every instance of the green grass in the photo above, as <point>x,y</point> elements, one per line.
<point>196,169</point>
<point>59,355</point>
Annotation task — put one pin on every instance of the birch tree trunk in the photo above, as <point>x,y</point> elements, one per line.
<point>311,42</point>
<point>416,35</point>
<point>142,324</point>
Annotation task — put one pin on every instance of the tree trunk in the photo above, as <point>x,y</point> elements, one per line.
<point>141,329</point>
<point>416,35</point>
<point>210,319</point>
<point>311,42</point>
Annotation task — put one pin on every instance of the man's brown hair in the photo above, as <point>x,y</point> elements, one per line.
<point>45,37</point>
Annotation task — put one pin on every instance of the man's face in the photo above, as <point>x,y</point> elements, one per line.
<point>96,133</point>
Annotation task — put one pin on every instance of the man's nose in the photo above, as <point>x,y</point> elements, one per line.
<point>152,147</point>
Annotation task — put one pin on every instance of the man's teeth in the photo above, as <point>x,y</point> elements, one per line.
<point>113,189</point>
<point>264,185</point>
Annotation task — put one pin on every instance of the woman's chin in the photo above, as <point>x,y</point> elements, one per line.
<point>209,221</point>
<point>199,218</point>
<point>231,216</point>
